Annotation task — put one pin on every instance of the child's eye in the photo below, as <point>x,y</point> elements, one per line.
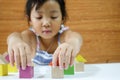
<point>53,17</point>
<point>38,17</point>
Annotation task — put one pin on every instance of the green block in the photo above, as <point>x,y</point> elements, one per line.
<point>69,71</point>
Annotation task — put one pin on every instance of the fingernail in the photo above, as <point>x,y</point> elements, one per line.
<point>24,68</point>
<point>61,67</point>
<point>71,65</point>
<point>66,67</point>
<point>29,64</point>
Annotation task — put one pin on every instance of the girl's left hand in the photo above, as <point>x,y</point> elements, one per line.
<point>65,55</point>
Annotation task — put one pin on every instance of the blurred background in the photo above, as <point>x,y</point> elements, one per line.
<point>98,21</point>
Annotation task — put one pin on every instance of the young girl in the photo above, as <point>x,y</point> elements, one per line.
<point>47,39</point>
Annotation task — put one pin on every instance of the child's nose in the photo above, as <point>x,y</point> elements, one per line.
<point>46,23</point>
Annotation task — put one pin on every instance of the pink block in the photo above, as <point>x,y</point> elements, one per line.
<point>27,73</point>
<point>7,58</point>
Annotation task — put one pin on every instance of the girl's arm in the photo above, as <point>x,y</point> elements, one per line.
<point>67,51</point>
<point>75,40</point>
<point>21,46</point>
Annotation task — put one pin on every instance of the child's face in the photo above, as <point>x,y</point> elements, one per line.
<point>47,19</point>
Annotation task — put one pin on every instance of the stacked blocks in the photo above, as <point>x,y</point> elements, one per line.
<point>56,72</point>
<point>27,73</point>
<point>10,68</point>
<point>3,66</point>
<point>79,63</point>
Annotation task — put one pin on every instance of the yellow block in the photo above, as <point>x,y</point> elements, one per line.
<point>3,69</point>
<point>79,58</point>
<point>12,68</point>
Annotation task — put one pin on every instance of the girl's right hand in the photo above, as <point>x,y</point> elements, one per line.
<point>19,52</point>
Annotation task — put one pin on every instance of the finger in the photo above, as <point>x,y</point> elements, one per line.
<point>23,58</point>
<point>11,56</point>
<point>72,58</point>
<point>62,58</point>
<point>67,58</point>
<point>55,57</point>
<point>17,57</point>
<point>28,55</point>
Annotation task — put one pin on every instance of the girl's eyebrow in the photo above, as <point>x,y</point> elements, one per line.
<point>38,11</point>
<point>54,11</point>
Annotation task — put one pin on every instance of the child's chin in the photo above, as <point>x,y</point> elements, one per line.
<point>47,37</point>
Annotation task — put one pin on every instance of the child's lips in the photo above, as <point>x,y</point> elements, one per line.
<point>46,31</point>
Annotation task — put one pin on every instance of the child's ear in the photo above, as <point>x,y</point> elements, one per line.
<point>27,17</point>
<point>29,20</point>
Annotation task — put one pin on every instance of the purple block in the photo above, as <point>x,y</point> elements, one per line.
<point>27,73</point>
<point>7,58</point>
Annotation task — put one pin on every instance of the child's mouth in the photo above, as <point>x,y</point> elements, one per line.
<point>46,31</point>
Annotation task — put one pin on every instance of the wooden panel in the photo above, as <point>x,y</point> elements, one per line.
<point>98,21</point>
<point>12,18</point>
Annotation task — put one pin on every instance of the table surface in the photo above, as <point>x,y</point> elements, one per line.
<point>108,71</point>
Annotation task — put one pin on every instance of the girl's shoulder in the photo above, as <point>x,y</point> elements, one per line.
<point>65,31</point>
<point>28,33</point>
<point>64,35</point>
<point>29,36</point>
<point>69,34</point>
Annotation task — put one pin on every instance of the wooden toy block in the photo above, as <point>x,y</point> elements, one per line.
<point>79,58</point>
<point>27,73</point>
<point>69,71</point>
<point>3,60</point>
<point>79,63</point>
<point>56,72</point>
<point>6,56</point>
<point>12,68</point>
<point>3,70</point>
<point>79,66</point>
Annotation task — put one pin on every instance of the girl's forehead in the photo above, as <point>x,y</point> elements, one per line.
<point>50,5</point>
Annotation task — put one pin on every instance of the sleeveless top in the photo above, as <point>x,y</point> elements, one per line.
<point>43,57</point>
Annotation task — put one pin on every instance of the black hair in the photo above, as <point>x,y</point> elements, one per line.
<point>38,3</point>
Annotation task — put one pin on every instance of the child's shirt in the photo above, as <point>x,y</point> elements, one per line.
<point>43,57</point>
